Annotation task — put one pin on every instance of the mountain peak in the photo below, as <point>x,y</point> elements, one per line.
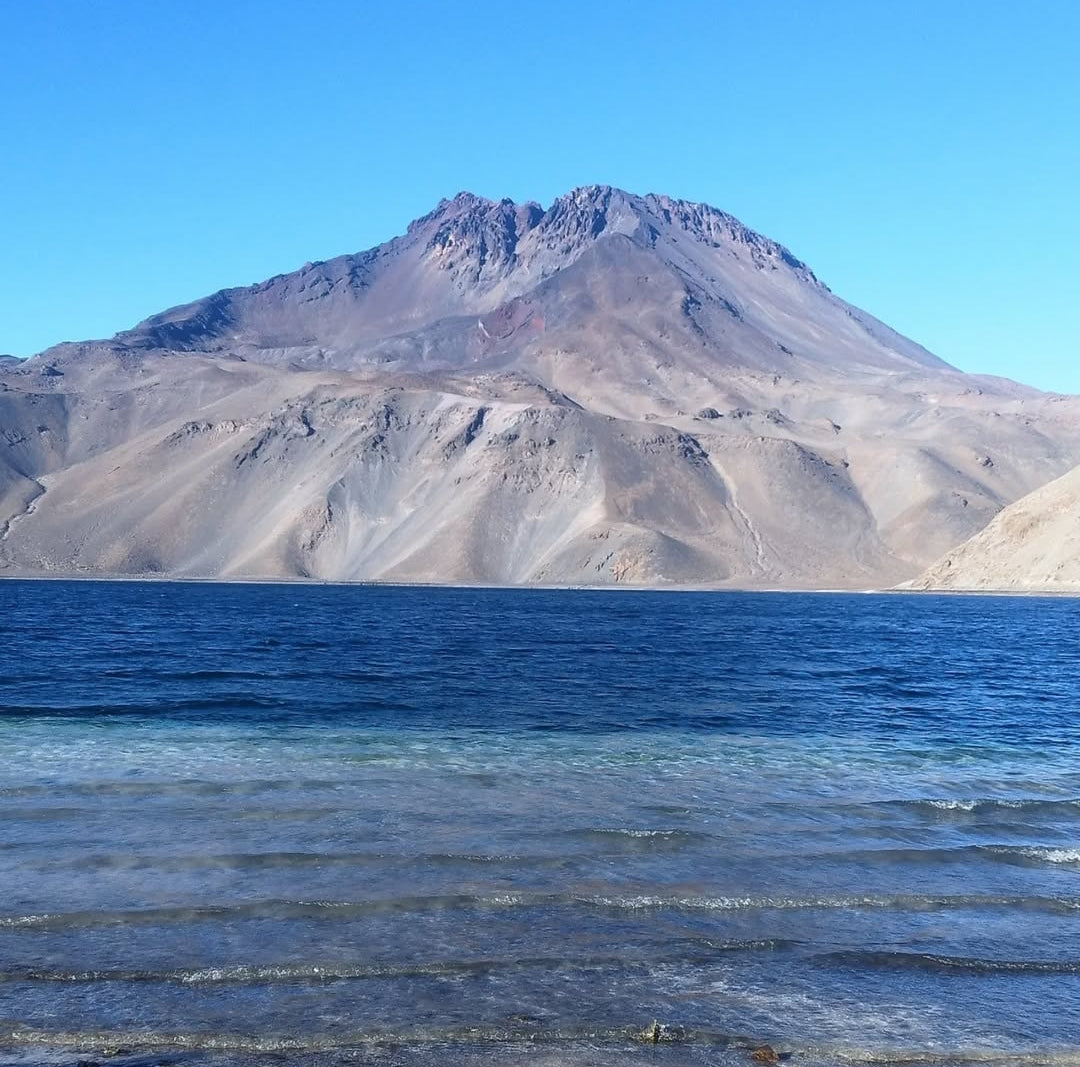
<point>450,207</point>
<point>465,201</point>
<point>596,258</point>
<point>594,194</point>
<point>475,224</point>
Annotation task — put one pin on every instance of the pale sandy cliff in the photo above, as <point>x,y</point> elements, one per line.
<point>612,389</point>
<point>1031,546</point>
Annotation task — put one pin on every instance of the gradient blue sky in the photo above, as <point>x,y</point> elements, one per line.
<point>923,158</point>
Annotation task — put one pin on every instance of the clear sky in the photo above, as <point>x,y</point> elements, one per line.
<point>922,157</point>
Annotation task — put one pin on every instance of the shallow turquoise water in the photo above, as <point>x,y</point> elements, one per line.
<point>422,825</point>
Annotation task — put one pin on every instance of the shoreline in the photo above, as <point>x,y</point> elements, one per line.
<point>898,590</point>
<point>496,1045</point>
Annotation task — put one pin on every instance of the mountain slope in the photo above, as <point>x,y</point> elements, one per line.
<point>478,282</point>
<point>1031,546</point>
<point>616,388</point>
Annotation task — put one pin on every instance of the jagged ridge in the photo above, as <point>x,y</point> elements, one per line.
<point>472,256</point>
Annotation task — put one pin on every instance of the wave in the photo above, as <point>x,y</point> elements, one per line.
<point>632,838</point>
<point>898,902</point>
<point>1017,855</point>
<point>345,910</point>
<point>331,910</point>
<point>148,1040</point>
<point>1032,854</point>
<point>705,952</point>
<point>978,805</point>
<point>255,861</point>
<point>624,831</point>
<point>1060,855</point>
<point>528,1032</point>
<point>929,961</point>
<point>975,1057</point>
<point>521,1030</point>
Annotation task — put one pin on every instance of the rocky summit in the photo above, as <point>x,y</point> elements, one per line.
<point>616,388</point>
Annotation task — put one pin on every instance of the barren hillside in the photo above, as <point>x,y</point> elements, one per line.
<point>614,389</point>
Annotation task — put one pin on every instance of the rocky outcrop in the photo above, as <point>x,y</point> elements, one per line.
<point>1031,546</point>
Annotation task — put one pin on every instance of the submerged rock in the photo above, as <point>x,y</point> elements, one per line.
<point>656,1032</point>
<point>651,1034</point>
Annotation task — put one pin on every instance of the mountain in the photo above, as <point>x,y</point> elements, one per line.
<point>499,285</point>
<point>1031,546</point>
<point>617,388</point>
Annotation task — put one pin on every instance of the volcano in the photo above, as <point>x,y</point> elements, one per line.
<point>614,389</point>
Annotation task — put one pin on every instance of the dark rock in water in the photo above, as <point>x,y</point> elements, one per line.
<point>656,1032</point>
<point>765,1054</point>
<point>651,1034</point>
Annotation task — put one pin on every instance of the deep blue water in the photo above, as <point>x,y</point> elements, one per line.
<point>408,825</point>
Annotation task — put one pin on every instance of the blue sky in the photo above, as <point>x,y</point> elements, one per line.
<point>923,158</point>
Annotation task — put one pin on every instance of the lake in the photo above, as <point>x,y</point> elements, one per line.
<point>363,824</point>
